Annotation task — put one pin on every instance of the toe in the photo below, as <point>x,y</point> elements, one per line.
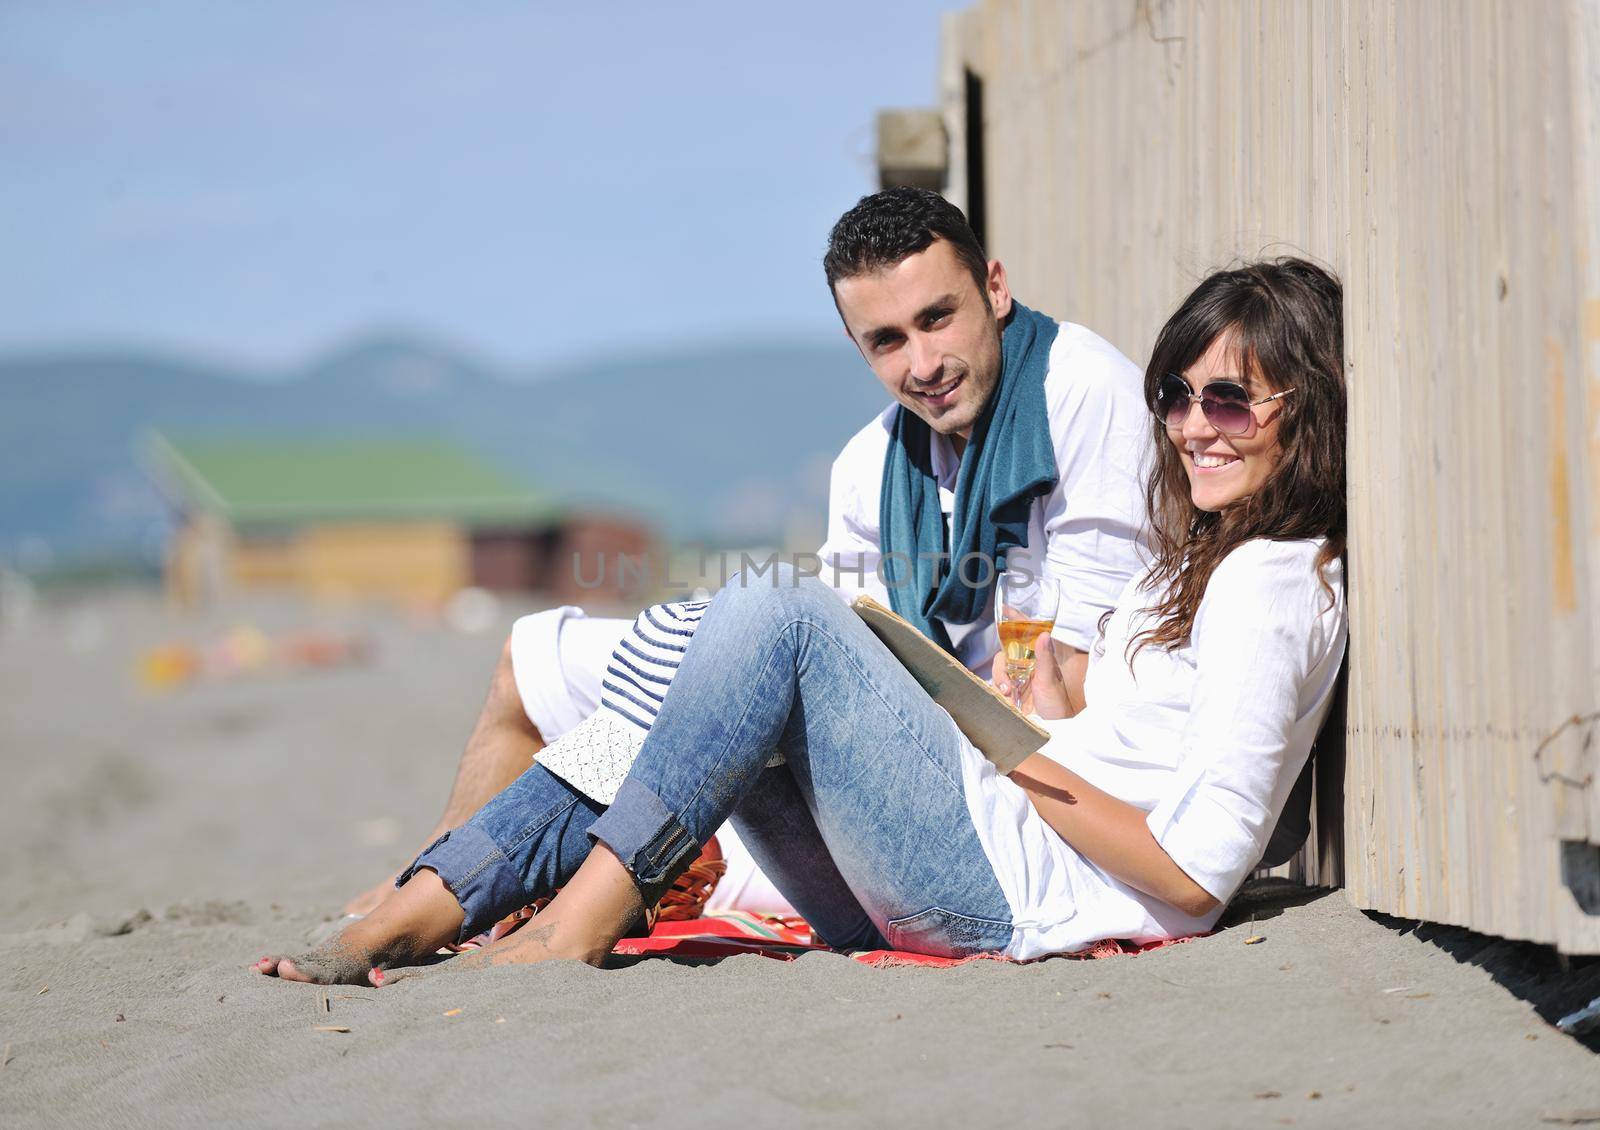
<point>289,971</point>
<point>383,978</point>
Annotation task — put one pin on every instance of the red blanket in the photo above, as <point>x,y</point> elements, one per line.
<point>727,933</point>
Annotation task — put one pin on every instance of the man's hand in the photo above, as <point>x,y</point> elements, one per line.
<point>1050,693</point>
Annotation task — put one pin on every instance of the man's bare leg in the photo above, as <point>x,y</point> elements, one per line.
<point>502,746</point>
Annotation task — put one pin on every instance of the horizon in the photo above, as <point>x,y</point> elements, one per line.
<point>375,335</point>
<point>78,491</point>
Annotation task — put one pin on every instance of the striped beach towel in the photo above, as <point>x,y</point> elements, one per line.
<point>731,933</point>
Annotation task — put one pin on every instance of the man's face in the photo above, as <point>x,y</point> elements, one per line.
<point>925,329</point>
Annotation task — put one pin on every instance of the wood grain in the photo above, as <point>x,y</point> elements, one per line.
<point>1445,159</point>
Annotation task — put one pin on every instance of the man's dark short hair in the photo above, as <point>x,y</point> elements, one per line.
<point>890,226</point>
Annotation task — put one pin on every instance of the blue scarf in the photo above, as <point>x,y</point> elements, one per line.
<point>1008,462</point>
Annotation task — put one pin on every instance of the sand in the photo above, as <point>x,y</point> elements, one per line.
<point>156,844</point>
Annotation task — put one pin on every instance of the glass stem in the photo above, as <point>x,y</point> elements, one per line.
<point>1020,675</point>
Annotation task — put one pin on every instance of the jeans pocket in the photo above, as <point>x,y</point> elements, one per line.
<point>943,933</point>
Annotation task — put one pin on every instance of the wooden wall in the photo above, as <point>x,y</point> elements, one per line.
<point>1442,157</point>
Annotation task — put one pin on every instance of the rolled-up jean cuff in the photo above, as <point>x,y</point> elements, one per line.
<point>644,834</point>
<point>475,870</point>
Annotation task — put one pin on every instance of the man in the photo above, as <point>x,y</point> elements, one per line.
<point>1048,420</point>
<point>1065,440</point>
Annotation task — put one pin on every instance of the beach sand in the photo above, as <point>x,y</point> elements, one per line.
<point>155,844</point>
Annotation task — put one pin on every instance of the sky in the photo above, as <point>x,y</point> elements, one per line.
<point>535,182</point>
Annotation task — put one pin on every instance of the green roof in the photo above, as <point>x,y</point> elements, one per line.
<point>254,482</point>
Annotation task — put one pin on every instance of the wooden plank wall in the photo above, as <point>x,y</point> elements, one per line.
<point>1442,158</point>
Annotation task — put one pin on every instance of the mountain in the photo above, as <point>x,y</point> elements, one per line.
<point>726,443</point>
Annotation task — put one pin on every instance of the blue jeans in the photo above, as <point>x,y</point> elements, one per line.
<point>865,828</point>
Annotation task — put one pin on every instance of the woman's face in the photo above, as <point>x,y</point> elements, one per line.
<point>1225,469</point>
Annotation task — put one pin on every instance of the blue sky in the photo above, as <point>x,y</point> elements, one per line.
<point>533,181</point>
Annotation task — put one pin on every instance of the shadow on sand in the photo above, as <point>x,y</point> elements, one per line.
<point>1553,984</point>
<point>1262,899</point>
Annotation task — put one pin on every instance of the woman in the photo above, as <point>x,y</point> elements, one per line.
<point>884,826</point>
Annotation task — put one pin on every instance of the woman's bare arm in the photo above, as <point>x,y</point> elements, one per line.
<point>1110,833</point>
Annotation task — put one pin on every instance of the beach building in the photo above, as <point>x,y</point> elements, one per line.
<point>405,520</point>
<point>1445,160</point>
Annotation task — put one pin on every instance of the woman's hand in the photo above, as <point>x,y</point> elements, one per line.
<point>997,676</point>
<point>1047,692</point>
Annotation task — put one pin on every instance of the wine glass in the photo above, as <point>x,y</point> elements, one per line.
<point>1025,606</point>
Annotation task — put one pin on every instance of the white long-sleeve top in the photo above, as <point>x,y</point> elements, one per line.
<point>1085,534</point>
<point>1208,738</point>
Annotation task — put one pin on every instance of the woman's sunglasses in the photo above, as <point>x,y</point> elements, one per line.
<point>1225,404</point>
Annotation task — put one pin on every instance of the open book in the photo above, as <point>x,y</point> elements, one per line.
<point>1000,732</point>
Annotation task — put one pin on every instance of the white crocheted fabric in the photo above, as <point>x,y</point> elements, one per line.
<point>595,755</point>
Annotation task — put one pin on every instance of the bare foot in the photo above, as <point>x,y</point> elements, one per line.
<point>407,927</point>
<point>581,923</point>
<point>539,940</point>
<point>337,962</point>
<point>369,900</point>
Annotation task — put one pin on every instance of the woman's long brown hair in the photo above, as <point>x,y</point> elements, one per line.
<point>1287,323</point>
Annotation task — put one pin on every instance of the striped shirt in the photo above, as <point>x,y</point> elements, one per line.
<point>646,660</point>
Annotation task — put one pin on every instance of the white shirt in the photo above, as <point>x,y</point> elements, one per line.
<point>1208,738</point>
<point>1086,530</point>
